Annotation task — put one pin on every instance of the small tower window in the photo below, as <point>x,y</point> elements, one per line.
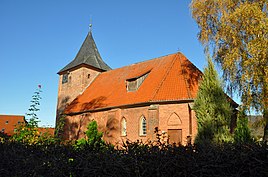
<point>88,76</point>
<point>143,126</point>
<point>65,78</point>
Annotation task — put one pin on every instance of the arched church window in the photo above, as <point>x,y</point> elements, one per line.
<point>143,126</point>
<point>123,127</point>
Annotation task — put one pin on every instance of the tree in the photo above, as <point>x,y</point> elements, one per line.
<point>213,111</point>
<point>236,31</point>
<point>28,132</point>
<point>33,120</point>
<point>242,132</point>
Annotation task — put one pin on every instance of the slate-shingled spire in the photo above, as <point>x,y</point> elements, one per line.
<point>89,55</point>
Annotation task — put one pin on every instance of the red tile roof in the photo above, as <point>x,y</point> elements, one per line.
<point>171,78</point>
<point>46,130</point>
<point>8,123</point>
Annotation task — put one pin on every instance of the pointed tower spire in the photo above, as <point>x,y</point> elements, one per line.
<point>87,55</point>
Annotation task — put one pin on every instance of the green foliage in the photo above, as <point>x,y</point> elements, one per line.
<point>80,143</point>
<point>59,130</point>
<point>32,136</point>
<point>93,138</point>
<point>242,132</point>
<point>35,103</point>
<point>28,133</point>
<point>25,134</point>
<point>236,32</point>
<point>212,109</point>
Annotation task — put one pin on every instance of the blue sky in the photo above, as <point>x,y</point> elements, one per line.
<point>38,38</point>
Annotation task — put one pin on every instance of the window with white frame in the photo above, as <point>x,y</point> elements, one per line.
<point>123,127</point>
<point>143,126</point>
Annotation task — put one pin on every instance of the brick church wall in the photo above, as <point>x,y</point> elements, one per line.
<point>169,116</point>
<point>187,121</point>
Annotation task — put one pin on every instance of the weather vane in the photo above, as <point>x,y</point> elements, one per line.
<point>90,24</point>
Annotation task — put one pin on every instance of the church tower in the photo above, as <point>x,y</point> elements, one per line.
<point>76,76</point>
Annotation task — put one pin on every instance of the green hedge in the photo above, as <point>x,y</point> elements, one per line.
<point>135,160</point>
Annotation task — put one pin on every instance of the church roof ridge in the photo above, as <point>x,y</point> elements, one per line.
<point>148,60</point>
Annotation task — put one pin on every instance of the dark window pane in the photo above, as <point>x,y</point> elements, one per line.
<point>132,85</point>
<point>65,78</point>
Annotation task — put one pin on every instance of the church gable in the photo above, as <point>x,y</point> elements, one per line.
<point>180,81</point>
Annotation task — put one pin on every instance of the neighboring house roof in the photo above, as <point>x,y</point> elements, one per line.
<point>8,123</point>
<point>171,78</point>
<point>46,130</point>
<point>87,55</point>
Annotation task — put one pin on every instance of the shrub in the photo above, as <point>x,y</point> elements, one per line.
<point>232,160</point>
<point>242,132</point>
<point>93,138</point>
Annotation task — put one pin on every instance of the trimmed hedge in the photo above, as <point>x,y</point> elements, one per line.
<point>135,160</point>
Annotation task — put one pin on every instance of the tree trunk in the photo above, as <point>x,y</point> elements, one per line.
<point>265,111</point>
<point>265,116</point>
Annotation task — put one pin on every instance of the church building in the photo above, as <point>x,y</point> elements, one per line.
<point>129,102</point>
